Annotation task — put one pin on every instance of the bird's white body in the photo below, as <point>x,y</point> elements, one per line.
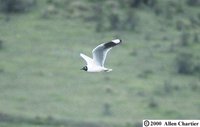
<point>99,55</point>
<point>95,68</point>
<point>92,66</point>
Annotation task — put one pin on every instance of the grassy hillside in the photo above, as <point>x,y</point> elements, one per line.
<point>156,70</point>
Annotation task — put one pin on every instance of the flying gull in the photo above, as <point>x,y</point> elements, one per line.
<point>99,56</point>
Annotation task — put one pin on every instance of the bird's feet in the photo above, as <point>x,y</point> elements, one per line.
<point>108,70</point>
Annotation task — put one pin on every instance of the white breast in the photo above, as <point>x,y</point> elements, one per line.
<point>95,68</point>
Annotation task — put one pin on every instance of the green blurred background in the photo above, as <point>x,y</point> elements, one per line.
<point>156,70</point>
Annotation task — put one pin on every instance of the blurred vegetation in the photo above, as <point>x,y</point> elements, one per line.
<point>16,6</point>
<point>156,71</point>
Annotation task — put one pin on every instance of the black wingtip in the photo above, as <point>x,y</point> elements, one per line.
<point>112,43</point>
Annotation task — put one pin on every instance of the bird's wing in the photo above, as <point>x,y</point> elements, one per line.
<point>100,52</point>
<point>87,59</point>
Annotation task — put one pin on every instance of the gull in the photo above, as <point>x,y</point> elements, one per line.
<point>99,56</point>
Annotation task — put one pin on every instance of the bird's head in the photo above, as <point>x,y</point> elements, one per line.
<point>85,68</point>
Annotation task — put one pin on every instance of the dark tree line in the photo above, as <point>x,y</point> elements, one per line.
<point>106,14</point>
<point>16,6</point>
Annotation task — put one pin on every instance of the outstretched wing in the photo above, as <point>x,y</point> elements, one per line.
<point>87,59</point>
<point>100,52</point>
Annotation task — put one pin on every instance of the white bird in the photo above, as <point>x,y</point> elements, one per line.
<point>99,56</point>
